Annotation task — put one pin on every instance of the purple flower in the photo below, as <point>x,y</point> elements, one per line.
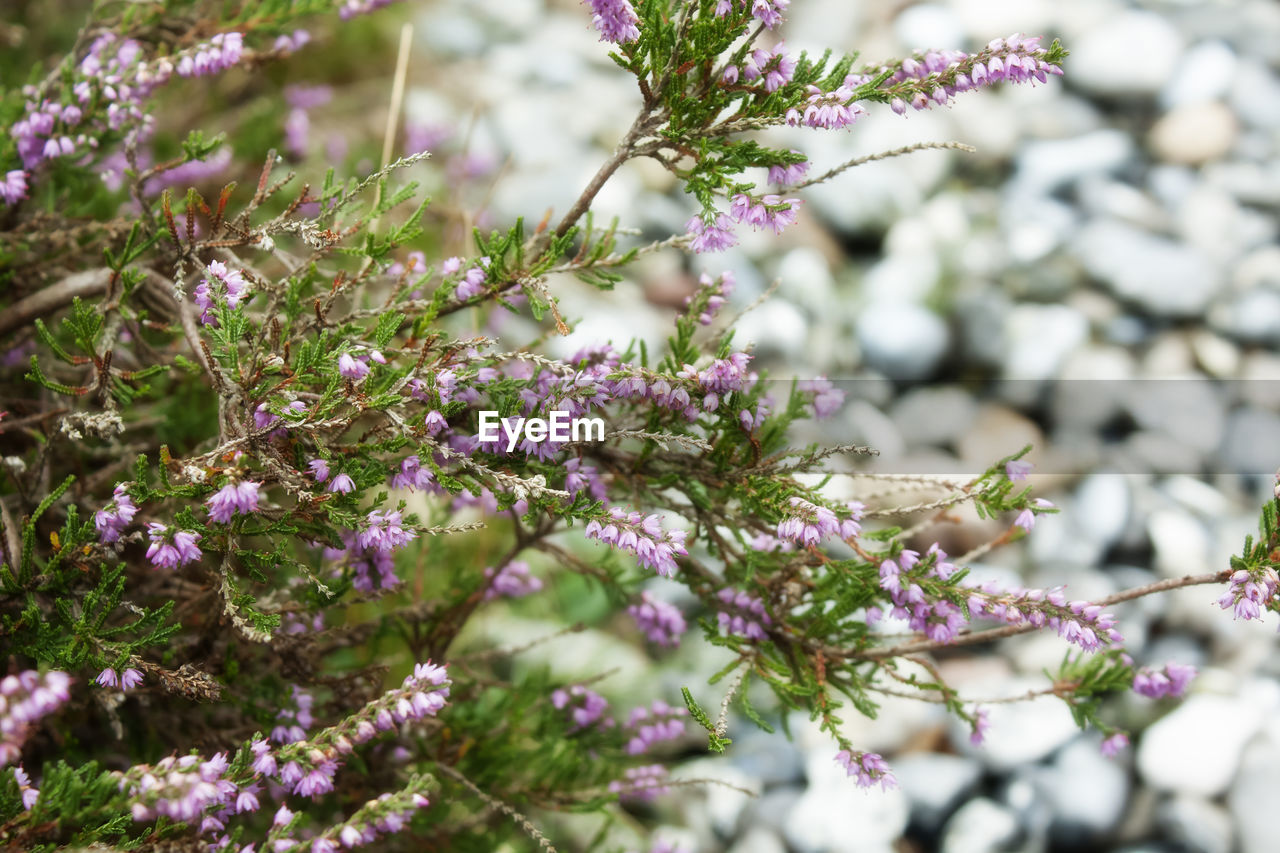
<point>586,707</point>
<point>341,484</point>
<point>29,794</point>
<point>1250,593</point>
<point>220,282</point>
<point>641,783</point>
<point>615,19</point>
<point>14,186</point>
<point>659,722</point>
<point>511,581</point>
<point>827,110</point>
<point>774,65</point>
<point>107,678</point>
<point>383,532</point>
<point>319,469</point>
<point>742,616</point>
<point>981,725</point>
<point>115,517</point>
<point>169,548</point>
<point>1171,682</point>
<point>217,54</point>
<point>130,678</point>
<point>352,368</point>
<point>868,767</point>
<point>1114,745</point>
<point>791,174</point>
<point>661,622</point>
<point>234,498</point>
<point>711,237</point>
<point>1017,470</point>
<point>768,211</point>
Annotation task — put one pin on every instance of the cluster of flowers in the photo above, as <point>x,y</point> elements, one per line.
<point>742,615</point>
<point>767,12</point>
<point>226,285</point>
<point>1250,593</point>
<point>867,767</point>
<point>1171,682</point>
<point>171,547</point>
<point>939,620</point>
<point>643,536</point>
<point>1078,622</point>
<point>616,20</point>
<point>641,783</point>
<point>182,789</point>
<point>340,484</point>
<point>370,550</point>
<point>295,721</point>
<point>717,290</point>
<point>113,72</point>
<point>810,524</point>
<point>112,519</point>
<point>936,77</point>
<point>385,817</point>
<point>586,707</point>
<point>126,680</point>
<point>234,498</point>
<point>661,622</point>
<point>773,64</point>
<point>659,722</point>
<point>769,211</point>
<point>24,699</point>
<point>832,110</point>
<point>511,581</point>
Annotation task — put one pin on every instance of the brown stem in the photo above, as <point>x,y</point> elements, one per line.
<point>53,297</point>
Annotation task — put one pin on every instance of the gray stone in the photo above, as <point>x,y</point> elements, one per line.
<point>1021,732</point>
<point>1249,444</point>
<point>1130,54</point>
<point>935,784</point>
<point>1102,507</point>
<point>1190,410</point>
<point>1252,317</point>
<point>1204,74</point>
<point>980,826</point>
<point>1047,165</point>
<point>836,816</point>
<point>1253,795</point>
<point>1086,791</point>
<point>771,758</point>
<point>771,810</point>
<point>934,415</point>
<point>1196,748</point>
<point>1255,93</point>
<point>1181,541</point>
<point>1197,824</point>
<point>1165,278</point>
<point>1192,134</point>
<point>1040,339</point>
<point>759,840</point>
<point>902,340</point>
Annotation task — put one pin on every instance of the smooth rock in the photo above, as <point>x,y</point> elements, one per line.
<point>759,840</point>
<point>1252,317</point>
<point>934,415</point>
<point>1249,443</point>
<point>935,784</point>
<point>1041,337</point>
<point>1134,53</point>
<point>1021,732</point>
<point>1087,793</point>
<point>1190,410</point>
<point>1204,74</point>
<point>996,432</point>
<point>834,815</point>
<point>770,758</point>
<point>1102,507</point>
<point>980,826</point>
<point>1181,541</point>
<point>1197,824</point>
<point>1252,800</point>
<point>724,804</point>
<point>1165,278</point>
<point>1192,134</point>
<point>1255,92</point>
<point>1196,748</point>
<point>902,340</point>
<point>1047,165</point>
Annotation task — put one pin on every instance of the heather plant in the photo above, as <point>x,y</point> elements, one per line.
<point>252,505</point>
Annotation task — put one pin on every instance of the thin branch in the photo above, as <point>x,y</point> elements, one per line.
<point>55,296</point>
<point>883,155</point>
<point>521,821</point>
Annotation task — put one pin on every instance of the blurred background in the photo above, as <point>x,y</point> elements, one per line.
<point>1101,280</point>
